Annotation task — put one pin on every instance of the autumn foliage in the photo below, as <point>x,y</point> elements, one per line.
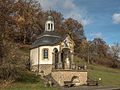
<point>22,21</point>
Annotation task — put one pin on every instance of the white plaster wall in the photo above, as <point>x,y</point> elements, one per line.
<point>49,60</point>
<point>34,56</point>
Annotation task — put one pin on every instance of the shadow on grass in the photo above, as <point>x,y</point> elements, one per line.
<point>28,82</point>
<point>29,78</point>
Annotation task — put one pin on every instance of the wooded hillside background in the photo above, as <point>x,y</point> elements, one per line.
<point>22,21</point>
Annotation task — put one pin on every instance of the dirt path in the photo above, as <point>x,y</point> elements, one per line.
<point>90,88</point>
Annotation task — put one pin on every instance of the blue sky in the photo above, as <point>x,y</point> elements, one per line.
<point>100,18</point>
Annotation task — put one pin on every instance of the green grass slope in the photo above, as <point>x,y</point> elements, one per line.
<point>21,86</point>
<point>109,76</point>
<point>28,82</point>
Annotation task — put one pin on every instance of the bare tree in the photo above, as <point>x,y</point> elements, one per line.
<point>115,51</point>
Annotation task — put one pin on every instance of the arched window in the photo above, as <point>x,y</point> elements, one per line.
<point>45,53</point>
<point>48,26</point>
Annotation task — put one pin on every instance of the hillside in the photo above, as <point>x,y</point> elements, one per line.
<point>27,82</point>
<point>109,76</point>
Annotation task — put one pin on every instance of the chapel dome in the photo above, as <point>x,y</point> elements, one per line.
<point>49,18</point>
<point>47,38</point>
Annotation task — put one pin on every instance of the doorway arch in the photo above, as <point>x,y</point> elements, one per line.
<point>66,58</point>
<point>55,58</point>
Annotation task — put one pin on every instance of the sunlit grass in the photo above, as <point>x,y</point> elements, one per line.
<point>109,76</point>
<point>29,86</point>
<point>28,82</point>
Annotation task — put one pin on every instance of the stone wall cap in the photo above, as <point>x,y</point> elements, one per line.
<point>59,70</point>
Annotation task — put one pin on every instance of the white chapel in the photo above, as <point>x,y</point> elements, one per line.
<point>51,51</point>
<point>52,54</point>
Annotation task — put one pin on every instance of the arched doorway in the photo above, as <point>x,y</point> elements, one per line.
<point>55,58</point>
<point>66,58</point>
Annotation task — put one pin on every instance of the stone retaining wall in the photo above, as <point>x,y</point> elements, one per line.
<point>46,68</point>
<point>66,75</point>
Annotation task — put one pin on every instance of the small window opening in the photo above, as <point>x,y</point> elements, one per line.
<point>45,53</point>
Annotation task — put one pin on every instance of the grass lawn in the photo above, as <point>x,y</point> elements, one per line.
<point>28,86</point>
<point>109,76</point>
<point>28,82</point>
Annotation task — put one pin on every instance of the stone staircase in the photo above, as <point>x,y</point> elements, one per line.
<point>49,81</point>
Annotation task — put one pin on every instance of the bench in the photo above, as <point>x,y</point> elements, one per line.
<point>72,82</point>
<point>94,83</point>
<point>68,84</point>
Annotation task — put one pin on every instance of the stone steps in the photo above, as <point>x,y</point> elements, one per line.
<point>49,81</point>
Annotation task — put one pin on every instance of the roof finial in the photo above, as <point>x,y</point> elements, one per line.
<point>50,11</point>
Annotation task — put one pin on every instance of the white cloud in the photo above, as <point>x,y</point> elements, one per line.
<point>68,8</point>
<point>96,35</point>
<point>116,18</point>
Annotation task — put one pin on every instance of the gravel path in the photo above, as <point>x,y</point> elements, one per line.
<point>90,88</point>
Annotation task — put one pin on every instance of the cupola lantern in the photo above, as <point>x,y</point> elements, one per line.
<point>49,25</point>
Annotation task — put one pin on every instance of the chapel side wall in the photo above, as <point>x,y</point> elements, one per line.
<point>61,76</point>
<point>46,65</point>
<point>34,59</point>
<point>50,57</point>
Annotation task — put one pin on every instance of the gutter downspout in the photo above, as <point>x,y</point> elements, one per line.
<point>38,59</point>
<point>29,61</point>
